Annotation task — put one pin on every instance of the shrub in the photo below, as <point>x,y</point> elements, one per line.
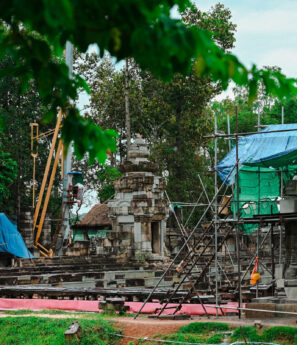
<point>249,332</point>
<point>203,327</point>
<point>187,338</point>
<point>280,333</point>
<point>215,339</point>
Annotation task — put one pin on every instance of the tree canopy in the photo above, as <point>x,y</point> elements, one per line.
<point>34,34</point>
<point>18,109</point>
<point>171,116</point>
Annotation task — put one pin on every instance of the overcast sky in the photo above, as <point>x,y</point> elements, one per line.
<point>266,31</point>
<point>266,34</point>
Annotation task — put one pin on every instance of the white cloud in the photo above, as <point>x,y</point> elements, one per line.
<point>277,21</point>
<point>283,57</point>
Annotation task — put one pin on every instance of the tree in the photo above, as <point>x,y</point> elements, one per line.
<point>18,110</point>
<point>34,34</point>
<point>171,116</point>
<point>106,176</point>
<point>127,104</point>
<point>7,176</point>
<point>290,111</point>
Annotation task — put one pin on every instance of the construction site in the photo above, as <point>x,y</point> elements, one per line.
<point>192,230</point>
<point>241,261</point>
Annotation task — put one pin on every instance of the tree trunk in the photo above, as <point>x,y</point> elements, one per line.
<point>127,104</point>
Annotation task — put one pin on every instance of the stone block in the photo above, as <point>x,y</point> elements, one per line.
<point>260,314</point>
<point>107,242</point>
<point>285,307</point>
<point>146,246</point>
<point>139,196</point>
<point>127,228</point>
<point>125,235</point>
<point>126,219</point>
<point>73,334</point>
<point>126,243</point>
<point>135,282</point>
<point>137,232</point>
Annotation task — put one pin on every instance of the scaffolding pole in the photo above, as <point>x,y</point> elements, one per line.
<point>245,134</point>
<point>186,242</point>
<point>259,120</point>
<point>216,206</point>
<point>229,131</point>
<point>281,194</point>
<point>237,217</point>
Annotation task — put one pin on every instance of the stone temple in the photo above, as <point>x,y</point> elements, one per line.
<point>139,209</point>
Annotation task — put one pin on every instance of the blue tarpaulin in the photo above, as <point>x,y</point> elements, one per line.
<point>275,150</point>
<point>11,240</point>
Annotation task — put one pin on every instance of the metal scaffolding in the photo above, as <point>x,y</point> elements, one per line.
<point>194,258</point>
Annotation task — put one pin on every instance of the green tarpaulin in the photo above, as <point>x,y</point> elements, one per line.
<point>86,235</point>
<point>259,189</point>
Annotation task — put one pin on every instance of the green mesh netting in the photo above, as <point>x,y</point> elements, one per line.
<point>259,188</point>
<point>86,235</point>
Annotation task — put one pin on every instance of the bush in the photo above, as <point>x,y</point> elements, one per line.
<point>215,339</point>
<point>187,338</point>
<point>249,332</point>
<point>280,333</point>
<point>203,327</point>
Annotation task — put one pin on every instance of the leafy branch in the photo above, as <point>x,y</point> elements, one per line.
<point>34,35</point>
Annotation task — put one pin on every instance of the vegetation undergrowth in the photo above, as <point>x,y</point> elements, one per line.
<point>49,331</point>
<point>51,312</point>
<point>279,334</point>
<point>219,333</point>
<point>70,313</point>
<point>203,327</point>
<point>113,315</point>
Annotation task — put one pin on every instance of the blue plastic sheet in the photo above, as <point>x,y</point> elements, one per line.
<point>275,150</point>
<point>11,240</point>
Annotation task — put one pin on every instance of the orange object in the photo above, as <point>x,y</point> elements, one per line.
<point>255,276</point>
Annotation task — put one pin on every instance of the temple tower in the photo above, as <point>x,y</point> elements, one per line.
<point>139,209</point>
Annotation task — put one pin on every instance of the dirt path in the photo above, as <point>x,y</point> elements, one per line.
<point>146,327</point>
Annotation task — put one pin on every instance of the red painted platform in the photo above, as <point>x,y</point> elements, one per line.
<point>92,306</point>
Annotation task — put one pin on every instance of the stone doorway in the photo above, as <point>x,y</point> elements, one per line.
<point>155,237</point>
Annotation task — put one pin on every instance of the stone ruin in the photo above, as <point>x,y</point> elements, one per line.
<point>25,227</point>
<point>139,209</point>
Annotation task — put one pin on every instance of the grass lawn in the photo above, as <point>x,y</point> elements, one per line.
<point>32,330</point>
<point>97,330</point>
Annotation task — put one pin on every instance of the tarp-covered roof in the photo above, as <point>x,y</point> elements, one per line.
<point>265,150</point>
<point>11,240</point>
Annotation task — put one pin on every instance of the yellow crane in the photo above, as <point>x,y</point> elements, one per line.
<point>41,206</point>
